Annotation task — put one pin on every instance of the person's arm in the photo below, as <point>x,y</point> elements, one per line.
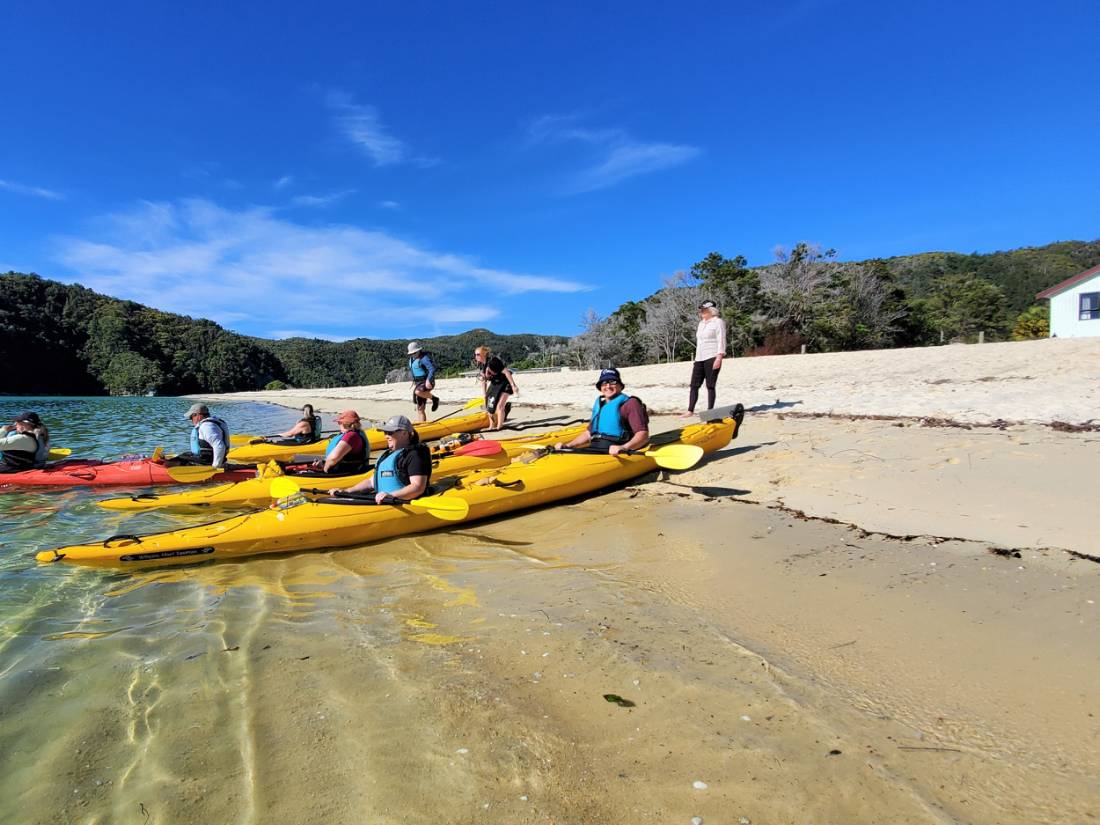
<point>364,486</point>
<point>414,489</point>
<point>721,344</point>
<point>427,361</point>
<point>301,428</point>
<point>216,442</point>
<point>338,452</point>
<point>638,422</point>
<point>511,380</point>
<point>579,440</point>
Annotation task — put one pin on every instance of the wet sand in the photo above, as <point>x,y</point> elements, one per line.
<point>811,625</point>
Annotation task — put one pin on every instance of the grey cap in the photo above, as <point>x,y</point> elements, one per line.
<point>197,409</point>
<point>398,422</point>
<point>414,347</point>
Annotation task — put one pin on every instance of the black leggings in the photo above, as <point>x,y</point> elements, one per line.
<point>700,371</point>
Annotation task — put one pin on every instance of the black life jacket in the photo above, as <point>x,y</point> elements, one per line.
<point>17,460</point>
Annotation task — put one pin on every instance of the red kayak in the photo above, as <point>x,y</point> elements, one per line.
<point>142,472</point>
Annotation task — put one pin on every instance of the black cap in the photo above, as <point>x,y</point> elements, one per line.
<point>708,305</point>
<point>28,418</point>
<point>609,374</point>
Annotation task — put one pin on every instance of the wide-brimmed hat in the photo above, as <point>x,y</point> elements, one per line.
<point>610,374</point>
<point>414,346</point>
<point>398,422</point>
<point>197,409</point>
<point>28,418</point>
<point>347,417</point>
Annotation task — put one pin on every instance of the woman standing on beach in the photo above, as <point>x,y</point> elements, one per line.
<point>710,347</point>
<point>497,385</point>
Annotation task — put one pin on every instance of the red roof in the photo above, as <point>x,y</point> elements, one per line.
<point>1068,282</point>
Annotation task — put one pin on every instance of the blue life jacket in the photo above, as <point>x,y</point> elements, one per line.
<point>607,424</point>
<point>202,447</point>
<point>355,460</point>
<point>417,368</point>
<point>385,473</point>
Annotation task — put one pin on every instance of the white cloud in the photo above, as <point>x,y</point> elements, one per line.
<point>322,200</point>
<point>254,269</point>
<point>31,191</point>
<point>283,182</point>
<point>362,125</point>
<point>389,205</point>
<point>612,154</point>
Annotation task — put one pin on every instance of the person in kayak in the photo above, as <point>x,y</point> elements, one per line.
<point>24,444</point>
<point>209,439</point>
<point>619,421</point>
<point>496,381</point>
<point>307,430</point>
<point>404,468</point>
<point>348,451</point>
<point>422,368</point>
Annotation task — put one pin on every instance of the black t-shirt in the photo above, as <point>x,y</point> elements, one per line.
<point>493,372</point>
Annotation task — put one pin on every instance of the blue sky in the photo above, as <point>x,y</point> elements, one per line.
<point>404,170</point>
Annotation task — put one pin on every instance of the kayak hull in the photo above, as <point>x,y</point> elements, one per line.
<point>254,492</point>
<point>315,526</point>
<point>142,472</point>
<point>263,452</point>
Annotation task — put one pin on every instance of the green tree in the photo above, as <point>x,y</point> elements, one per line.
<point>737,291</point>
<point>961,306</point>
<point>131,374</point>
<point>1033,322</point>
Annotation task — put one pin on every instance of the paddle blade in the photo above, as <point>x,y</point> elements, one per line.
<point>189,474</point>
<point>57,453</point>
<point>283,487</point>
<point>474,402</point>
<point>480,447</point>
<point>442,507</point>
<point>676,456</point>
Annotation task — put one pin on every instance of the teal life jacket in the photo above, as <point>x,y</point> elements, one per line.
<point>202,447</point>
<point>355,460</point>
<point>386,478</point>
<point>607,424</point>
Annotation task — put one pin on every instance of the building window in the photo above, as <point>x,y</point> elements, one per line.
<point>1090,306</point>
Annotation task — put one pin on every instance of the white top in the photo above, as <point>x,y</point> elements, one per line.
<point>710,339</point>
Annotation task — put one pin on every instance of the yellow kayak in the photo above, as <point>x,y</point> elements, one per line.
<point>263,451</point>
<point>534,479</point>
<point>447,460</point>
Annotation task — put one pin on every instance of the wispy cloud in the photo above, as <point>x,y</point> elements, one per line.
<point>612,155</point>
<point>362,125</point>
<point>254,269</point>
<point>30,191</point>
<point>389,205</point>
<point>322,200</point>
<point>283,182</point>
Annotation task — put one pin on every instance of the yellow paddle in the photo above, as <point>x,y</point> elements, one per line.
<point>469,405</point>
<point>447,509</point>
<point>669,457</point>
<point>192,473</point>
<point>57,453</point>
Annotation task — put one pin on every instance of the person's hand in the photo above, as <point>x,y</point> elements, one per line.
<point>429,385</point>
<point>380,498</point>
<point>318,464</point>
<point>336,491</point>
<point>558,447</point>
<point>614,449</point>
<point>718,362</point>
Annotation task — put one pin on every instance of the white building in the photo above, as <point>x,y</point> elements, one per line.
<point>1075,305</point>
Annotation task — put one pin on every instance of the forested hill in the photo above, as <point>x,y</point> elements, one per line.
<point>59,339</point>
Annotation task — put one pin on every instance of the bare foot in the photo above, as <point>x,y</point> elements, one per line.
<point>686,415</point>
